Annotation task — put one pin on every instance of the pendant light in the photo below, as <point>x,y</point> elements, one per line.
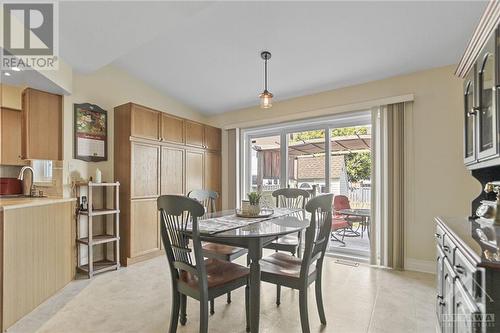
<point>266,97</point>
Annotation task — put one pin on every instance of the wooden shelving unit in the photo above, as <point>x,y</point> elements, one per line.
<point>106,238</point>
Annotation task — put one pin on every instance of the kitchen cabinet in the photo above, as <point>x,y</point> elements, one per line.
<point>172,129</point>
<point>172,171</point>
<point>194,170</point>
<point>467,283</point>
<point>212,137</point>
<point>157,158</point>
<point>145,227</point>
<point>487,138</point>
<point>194,134</point>
<point>471,109</point>
<point>145,170</point>
<point>37,252</point>
<point>145,122</point>
<point>41,131</point>
<point>10,131</point>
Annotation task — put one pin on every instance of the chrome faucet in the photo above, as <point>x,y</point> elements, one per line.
<point>21,177</point>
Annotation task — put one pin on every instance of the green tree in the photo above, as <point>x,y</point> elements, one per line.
<point>358,166</point>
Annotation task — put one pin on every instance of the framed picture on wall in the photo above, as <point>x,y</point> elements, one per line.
<point>91,133</point>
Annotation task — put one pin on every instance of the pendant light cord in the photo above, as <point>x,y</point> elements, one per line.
<point>265,74</point>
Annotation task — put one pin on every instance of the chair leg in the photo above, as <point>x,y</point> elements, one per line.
<point>319,299</point>
<point>304,318</point>
<point>247,307</point>
<point>183,317</point>
<point>299,247</point>
<point>334,238</point>
<point>278,295</point>
<point>174,315</point>
<point>203,316</point>
<point>212,306</point>
<point>229,298</point>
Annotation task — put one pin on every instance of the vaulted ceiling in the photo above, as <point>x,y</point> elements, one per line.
<point>206,54</point>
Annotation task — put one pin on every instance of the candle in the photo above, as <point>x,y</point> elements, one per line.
<point>98,175</point>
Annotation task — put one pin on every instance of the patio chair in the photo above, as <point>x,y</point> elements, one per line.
<point>213,250</point>
<point>341,223</point>
<point>286,270</point>
<point>191,274</point>
<point>288,198</point>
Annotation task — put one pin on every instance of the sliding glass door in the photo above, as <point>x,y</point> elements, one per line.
<point>320,156</point>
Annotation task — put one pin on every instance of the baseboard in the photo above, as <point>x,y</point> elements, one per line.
<point>417,265</point>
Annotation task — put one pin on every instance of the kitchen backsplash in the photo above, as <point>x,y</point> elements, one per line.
<point>9,171</point>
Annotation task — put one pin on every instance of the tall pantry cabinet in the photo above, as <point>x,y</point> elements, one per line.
<point>156,153</point>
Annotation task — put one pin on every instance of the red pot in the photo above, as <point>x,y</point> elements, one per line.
<point>10,186</point>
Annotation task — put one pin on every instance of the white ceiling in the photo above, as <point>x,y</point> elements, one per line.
<point>206,54</point>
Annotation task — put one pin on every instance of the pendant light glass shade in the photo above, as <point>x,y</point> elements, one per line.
<point>266,100</point>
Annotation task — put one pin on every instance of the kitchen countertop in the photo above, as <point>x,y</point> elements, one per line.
<point>21,202</point>
<point>479,238</point>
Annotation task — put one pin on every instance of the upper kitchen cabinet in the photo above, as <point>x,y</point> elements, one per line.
<point>172,129</point>
<point>10,136</point>
<point>470,113</point>
<point>194,134</point>
<point>41,125</point>
<point>487,138</point>
<point>212,138</point>
<point>479,67</point>
<point>144,122</point>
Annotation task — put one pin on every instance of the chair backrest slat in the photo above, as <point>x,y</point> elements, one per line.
<point>207,198</point>
<point>177,212</point>
<point>291,198</point>
<point>317,234</point>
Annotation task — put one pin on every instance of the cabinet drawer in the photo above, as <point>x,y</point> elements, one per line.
<point>467,273</point>
<point>465,312</point>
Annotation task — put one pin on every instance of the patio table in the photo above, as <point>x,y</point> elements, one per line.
<point>365,213</point>
<point>253,235</point>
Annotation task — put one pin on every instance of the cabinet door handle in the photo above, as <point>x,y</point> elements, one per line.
<point>446,248</point>
<point>473,112</point>
<point>437,235</point>
<point>442,303</point>
<point>460,270</point>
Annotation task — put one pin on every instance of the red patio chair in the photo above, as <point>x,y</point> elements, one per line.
<point>342,223</point>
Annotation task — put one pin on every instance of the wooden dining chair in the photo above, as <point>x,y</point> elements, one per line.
<point>192,275</point>
<point>289,271</point>
<point>213,250</point>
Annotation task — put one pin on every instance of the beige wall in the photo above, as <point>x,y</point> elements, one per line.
<point>442,185</point>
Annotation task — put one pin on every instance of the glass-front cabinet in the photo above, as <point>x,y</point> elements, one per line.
<point>480,107</point>
<point>470,118</point>
<point>488,138</point>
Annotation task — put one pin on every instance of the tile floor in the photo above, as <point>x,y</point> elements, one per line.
<point>137,299</point>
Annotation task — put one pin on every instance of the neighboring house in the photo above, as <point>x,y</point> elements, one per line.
<point>310,170</point>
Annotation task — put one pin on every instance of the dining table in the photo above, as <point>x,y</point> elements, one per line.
<point>225,227</point>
